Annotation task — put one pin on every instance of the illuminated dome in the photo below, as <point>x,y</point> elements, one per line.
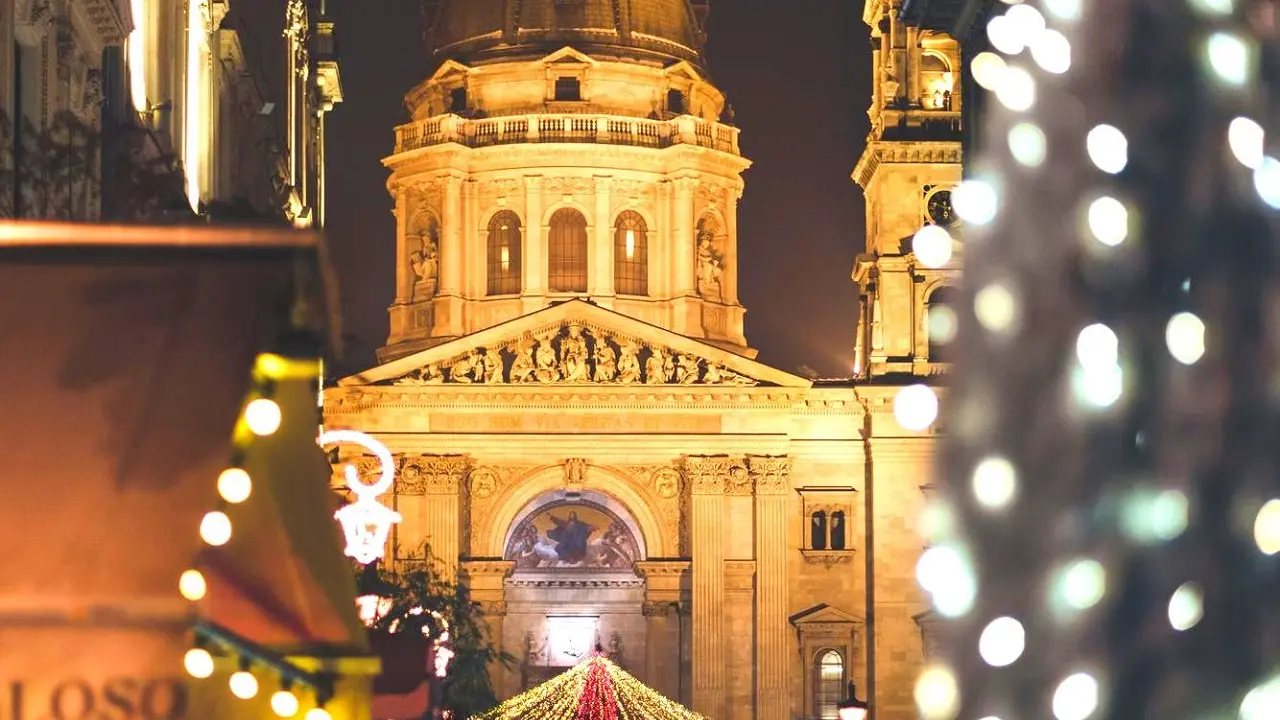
<point>473,31</point>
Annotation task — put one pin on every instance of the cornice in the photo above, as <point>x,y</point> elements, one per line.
<point>903,152</point>
<point>341,401</point>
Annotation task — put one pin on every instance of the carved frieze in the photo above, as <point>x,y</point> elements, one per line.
<point>714,474</point>
<point>571,354</point>
<point>431,474</point>
<point>502,187</point>
<point>575,473</point>
<point>658,609</point>
<point>771,474</point>
<point>827,558</point>
<point>569,186</point>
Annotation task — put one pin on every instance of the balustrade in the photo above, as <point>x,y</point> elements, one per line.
<point>603,129</point>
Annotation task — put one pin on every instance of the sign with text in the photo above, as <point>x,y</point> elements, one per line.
<point>116,698</point>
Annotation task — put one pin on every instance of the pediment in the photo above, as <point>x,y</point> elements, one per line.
<point>686,69</point>
<point>824,614</point>
<point>448,69</point>
<point>576,343</point>
<point>566,55</point>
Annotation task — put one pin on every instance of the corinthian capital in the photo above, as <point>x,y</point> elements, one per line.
<point>432,475</point>
<point>770,473</point>
<point>707,475</point>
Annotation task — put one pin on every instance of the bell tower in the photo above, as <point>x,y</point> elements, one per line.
<point>907,171</point>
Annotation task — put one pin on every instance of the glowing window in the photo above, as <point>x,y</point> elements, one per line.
<point>504,254</point>
<point>570,639</point>
<point>567,252</point>
<point>631,255</point>
<point>829,688</point>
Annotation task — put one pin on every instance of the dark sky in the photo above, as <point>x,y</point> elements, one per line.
<point>799,82</point>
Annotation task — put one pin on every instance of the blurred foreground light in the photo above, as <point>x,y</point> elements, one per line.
<point>1108,148</point>
<point>1184,336</point>
<point>937,694</point>
<point>1002,642</point>
<point>192,585</point>
<point>1052,51</point>
<point>1097,346</point>
<point>915,407</point>
<point>1246,139</point>
<point>1108,221</point>
<point>243,684</point>
<point>1266,528</point>
<point>1076,697</point>
<point>1017,89</point>
<point>235,485</point>
<point>1186,607</point>
<point>1230,58</point>
<point>1266,180</point>
<point>995,483</point>
<point>215,528</point>
<point>198,663</point>
<point>1028,20</point>
<point>262,416</point>
<point>318,714</point>
<point>1027,144</point>
<point>975,201</point>
<point>284,703</point>
<point>949,579</point>
<point>1082,584</point>
<point>988,69</point>
<point>1068,10</point>
<point>1214,7</point>
<point>932,246</point>
<point>941,323</point>
<point>1097,388</point>
<point>1005,35</point>
<point>996,308</point>
<point>1262,701</point>
<point>1149,516</point>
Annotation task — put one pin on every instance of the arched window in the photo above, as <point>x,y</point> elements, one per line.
<point>818,531</point>
<point>937,81</point>
<point>940,322</point>
<point>630,254</point>
<point>504,254</point>
<point>837,530</point>
<point>567,252</point>
<point>829,687</point>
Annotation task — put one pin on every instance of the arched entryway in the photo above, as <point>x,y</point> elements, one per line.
<point>574,584</point>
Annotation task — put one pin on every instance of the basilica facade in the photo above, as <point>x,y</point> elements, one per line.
<point>582,432</point>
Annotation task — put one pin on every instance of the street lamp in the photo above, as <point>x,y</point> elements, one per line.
<point>852,708</point>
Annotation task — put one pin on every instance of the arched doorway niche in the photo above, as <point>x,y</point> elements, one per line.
<point>574,584</point>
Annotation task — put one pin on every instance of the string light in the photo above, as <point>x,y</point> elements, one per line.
<point>1027,144</point>
<point>1186,607</point>
<point>988,70</point>
<point>1108,221</point>
<point>932,246</point>
<point>1002,642</point>
<point>1229,57</point>
<point>234,485</point>
<point>263,416</point>
<point>198,663</point>
<point>1052,51</point>
<point>1184,335</point>
<point>243,684</point>
<point>215,528</point>
<point>975,201</point>
<point>1076,697</point>
<point>1108,148</point>
<point>1266,180</point>
<point>915,407</point>
<point>1246,139</point>
<point>937,694</point>
<point>996,308</point>
<point>1017,89</point>
<point>1266,528</point>
<point>318,714</point>
<point>192,585</point>
<point>995,483</point>
<point>284,703</point>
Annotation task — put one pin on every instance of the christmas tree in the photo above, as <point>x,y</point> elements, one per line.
<point>596,689</point>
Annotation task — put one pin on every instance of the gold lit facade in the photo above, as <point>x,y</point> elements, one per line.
<point>581,430</point>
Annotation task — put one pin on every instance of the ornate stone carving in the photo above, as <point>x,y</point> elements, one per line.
<point>575,473</point>
<point>493,608</point>
<point>710,261</point>
<point>658,609</point>
<point>666,483</point>
<point>827,558</point>
<point>484,483</point>
<point>431,474</point>
<point>708,475</point>
<point>573,353</point>
<point>738,482</point>
<point>425,261</point>
<point>771,474</point>
<point>569,186</point>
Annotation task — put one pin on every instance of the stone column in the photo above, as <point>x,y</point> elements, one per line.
<point>706,479</point>
<point>665,583</point>
<point>451,252</point>
<point>601,282</point>
<point>534,256</point>
<point>437,479</point>
<point>730,278</point>
<point>682,232</point>
<point>404,279</point>
<point>486,579</point>
<point>772,479</point>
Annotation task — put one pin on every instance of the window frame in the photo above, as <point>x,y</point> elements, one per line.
<point>508,281</point>
<point>631,276</point>
<point>820,689</point>
<point>572,268</point>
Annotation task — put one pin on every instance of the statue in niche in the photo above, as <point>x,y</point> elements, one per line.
<point>523,367</point>
<point>606,362</point>
<point>628,363</point>
<point>654,368</point>
<point>464,370</point>
<point>686,369</point>
<point>544,358</point>
<point>710,262</point>
<point>573,355</point>
<point>491,366</point>
<point>425,262</point>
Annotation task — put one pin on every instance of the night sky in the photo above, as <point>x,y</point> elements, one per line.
<point>798,80</point>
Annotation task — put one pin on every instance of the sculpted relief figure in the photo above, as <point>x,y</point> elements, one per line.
<point>425,262</point>
<point>464,370</point>
<point>713,375</point>
<point>491,366</point>
<point>606,362</point>
<point>523,368</point>
<point>544,358</point>
<point>629,363</point>
<point>686,369</point>
<point>429,375</point>
<point>655,368</point>
<point>573,356</point>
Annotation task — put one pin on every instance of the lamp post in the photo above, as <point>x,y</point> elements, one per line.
<point>852,708</point>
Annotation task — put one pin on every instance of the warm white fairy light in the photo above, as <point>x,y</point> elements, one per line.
<point>975,201</point>
<point>1098,387</point>
<point>1002,642</point>
<point>1108,148</point>
<point>988,69</point>
<point>192,585</point>
<point>1026,19</point>
<point>915,407</point>
<point>1266,528</point>
<point>1266,180</point>
<point>1214,7</point>
<point>1081,584</point>
<point>949,579</point>
<point>941,324</point>
<point>1153,516</point>
<point>995,483</point>
<point>936,523</point>
<point>932,246</point>
<point>996,308</point>
<point>243,684</point>
<point>1230,58</point>
<point>1247,139</point>
<point>215,528</point>
<point>1076,697</point>
<point>1027,144</point>
<point>1017,89</point>
<point>937,694</point>
<point>1005,35</point>
<point>1261,701</point>
<point>284,703</point>
<point>198,663</point>
<point>1184,336</point>
<point>1069,10</point>
<point>1186,607</point>
<point>1108,220</point>
<point>1097,346</point>
<point>263,416</point>
<point>1052,51</point>
<point>318,714</point>
<point>235,485</point>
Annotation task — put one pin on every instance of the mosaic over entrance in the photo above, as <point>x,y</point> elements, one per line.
<point>573,534</point>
